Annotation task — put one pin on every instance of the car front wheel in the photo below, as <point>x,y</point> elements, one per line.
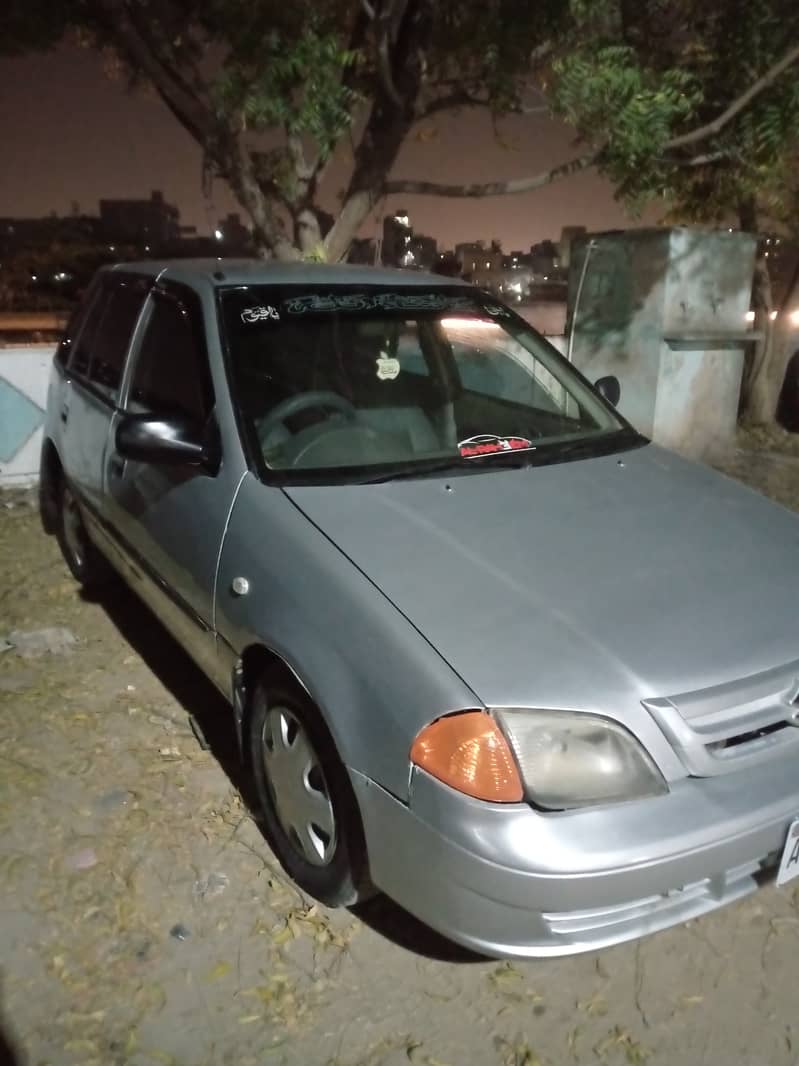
<point>307,805</point>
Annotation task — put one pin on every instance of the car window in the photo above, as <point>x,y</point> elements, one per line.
<point>350,379</point>
<point>81,354</point>
<point>409,351</point>
<point>111,340</point>
<point>520,378</point>
<point>75,325</point>
<point>171,375</point>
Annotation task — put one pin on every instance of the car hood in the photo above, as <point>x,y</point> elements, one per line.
<point>588,584</point>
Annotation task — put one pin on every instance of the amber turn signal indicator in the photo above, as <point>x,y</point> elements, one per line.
<point>468,752</point>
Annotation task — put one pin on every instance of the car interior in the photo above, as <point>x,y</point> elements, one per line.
<point>338,391</point>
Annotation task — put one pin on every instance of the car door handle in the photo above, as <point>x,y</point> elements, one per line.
<point>116,466</point>
<point>65,413</point>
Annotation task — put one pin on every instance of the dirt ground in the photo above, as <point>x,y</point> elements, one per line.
<point>143,919</point>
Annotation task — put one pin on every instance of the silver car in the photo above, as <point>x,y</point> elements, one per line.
<point>487,649</point>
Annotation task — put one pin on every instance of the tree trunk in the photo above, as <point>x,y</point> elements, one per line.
<point>756,368</point>
<point>389,122</point>
<point>756,383</point>
<point>763,382</point>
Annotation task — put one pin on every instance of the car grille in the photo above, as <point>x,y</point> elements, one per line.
<point>741,723</point>
<point>656,912</point>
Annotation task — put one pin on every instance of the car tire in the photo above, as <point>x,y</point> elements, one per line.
<point>307,806</point>
<point>85,562</point>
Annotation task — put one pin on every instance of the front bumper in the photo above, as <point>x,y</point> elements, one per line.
<point>509,881</point>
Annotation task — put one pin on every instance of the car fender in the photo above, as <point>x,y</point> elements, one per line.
<point>376,680</point>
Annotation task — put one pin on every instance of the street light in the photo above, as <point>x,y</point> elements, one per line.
<point>218,234</point>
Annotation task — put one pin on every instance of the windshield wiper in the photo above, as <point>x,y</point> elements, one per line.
<point>452,464</point>
<point>588,447</point>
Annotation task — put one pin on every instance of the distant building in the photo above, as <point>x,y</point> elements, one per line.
<point>447,264</point>
<point>544,259</point>
<point>424,251</point>
<point>401,247</point>
<point>397,235</point>
<point>489,268</point>
<point>568,235</point>
<point>29,234</point>
<point>469,254</point>
<point>151,222</point>
<point>233,236</point>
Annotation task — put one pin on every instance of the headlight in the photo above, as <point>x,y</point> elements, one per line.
<point>577,760</point>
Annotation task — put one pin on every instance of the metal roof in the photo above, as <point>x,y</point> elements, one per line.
<point>224,272</point>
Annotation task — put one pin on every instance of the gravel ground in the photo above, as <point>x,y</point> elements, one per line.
<point>143,919</point>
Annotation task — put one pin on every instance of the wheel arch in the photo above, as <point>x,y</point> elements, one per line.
<point>254,661</point>
<point>51,472</point>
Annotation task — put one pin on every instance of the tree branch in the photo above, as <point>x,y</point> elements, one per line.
<point>385,19</point>
<point>184,103</point>
<point>451,102</point>
<point>304,169</point>
<point>387,125</point>
<point>495,188</point>
<point>241,175</point>
<point>537,181</point>
<point>710,129</point>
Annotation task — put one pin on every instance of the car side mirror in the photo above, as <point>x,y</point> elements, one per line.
<point>168,441</point>
<point>610,388</point>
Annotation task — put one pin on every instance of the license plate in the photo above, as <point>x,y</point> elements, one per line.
<point>789,864</point>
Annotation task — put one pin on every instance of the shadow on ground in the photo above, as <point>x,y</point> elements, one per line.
<point>9,1053</point>
<point>178,673</point>
<point>214,719</point>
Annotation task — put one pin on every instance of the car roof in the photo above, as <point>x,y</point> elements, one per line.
<point>225,272</point>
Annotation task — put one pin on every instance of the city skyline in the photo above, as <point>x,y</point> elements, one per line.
<point>77,136</point>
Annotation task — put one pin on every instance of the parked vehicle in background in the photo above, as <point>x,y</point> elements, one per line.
<point>486,648</point>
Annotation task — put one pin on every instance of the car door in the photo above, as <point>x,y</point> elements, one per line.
<point>170,518</point>
<point>91,391</point>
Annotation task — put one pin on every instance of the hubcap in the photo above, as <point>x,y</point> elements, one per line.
<point>298,787</point>
<point>73,528</point>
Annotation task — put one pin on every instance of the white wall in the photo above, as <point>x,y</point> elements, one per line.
<point>24,375</point>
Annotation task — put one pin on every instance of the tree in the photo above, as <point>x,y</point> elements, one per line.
<point>272,90</point>
<point>695,104</point>
<point>745,172</point>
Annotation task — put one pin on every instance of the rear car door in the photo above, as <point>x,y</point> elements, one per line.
<point>91,391</point>
<point>170,518</point>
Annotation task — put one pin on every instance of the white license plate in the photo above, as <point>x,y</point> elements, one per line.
<point>789,864</point>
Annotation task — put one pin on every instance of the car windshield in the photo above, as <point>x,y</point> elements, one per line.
<point>344,383</point>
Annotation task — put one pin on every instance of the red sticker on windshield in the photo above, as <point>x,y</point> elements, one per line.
<point>490,444</point>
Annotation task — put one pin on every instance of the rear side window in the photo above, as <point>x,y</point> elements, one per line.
<point>171,375</point>
<point>81,355</point>
<point>102,343</point>
<point>111,340</point>
<point>75,325</point>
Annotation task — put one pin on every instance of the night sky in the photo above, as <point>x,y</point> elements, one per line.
<point>71,135</point>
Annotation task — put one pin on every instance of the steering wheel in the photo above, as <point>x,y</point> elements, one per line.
<point>294,404</point>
